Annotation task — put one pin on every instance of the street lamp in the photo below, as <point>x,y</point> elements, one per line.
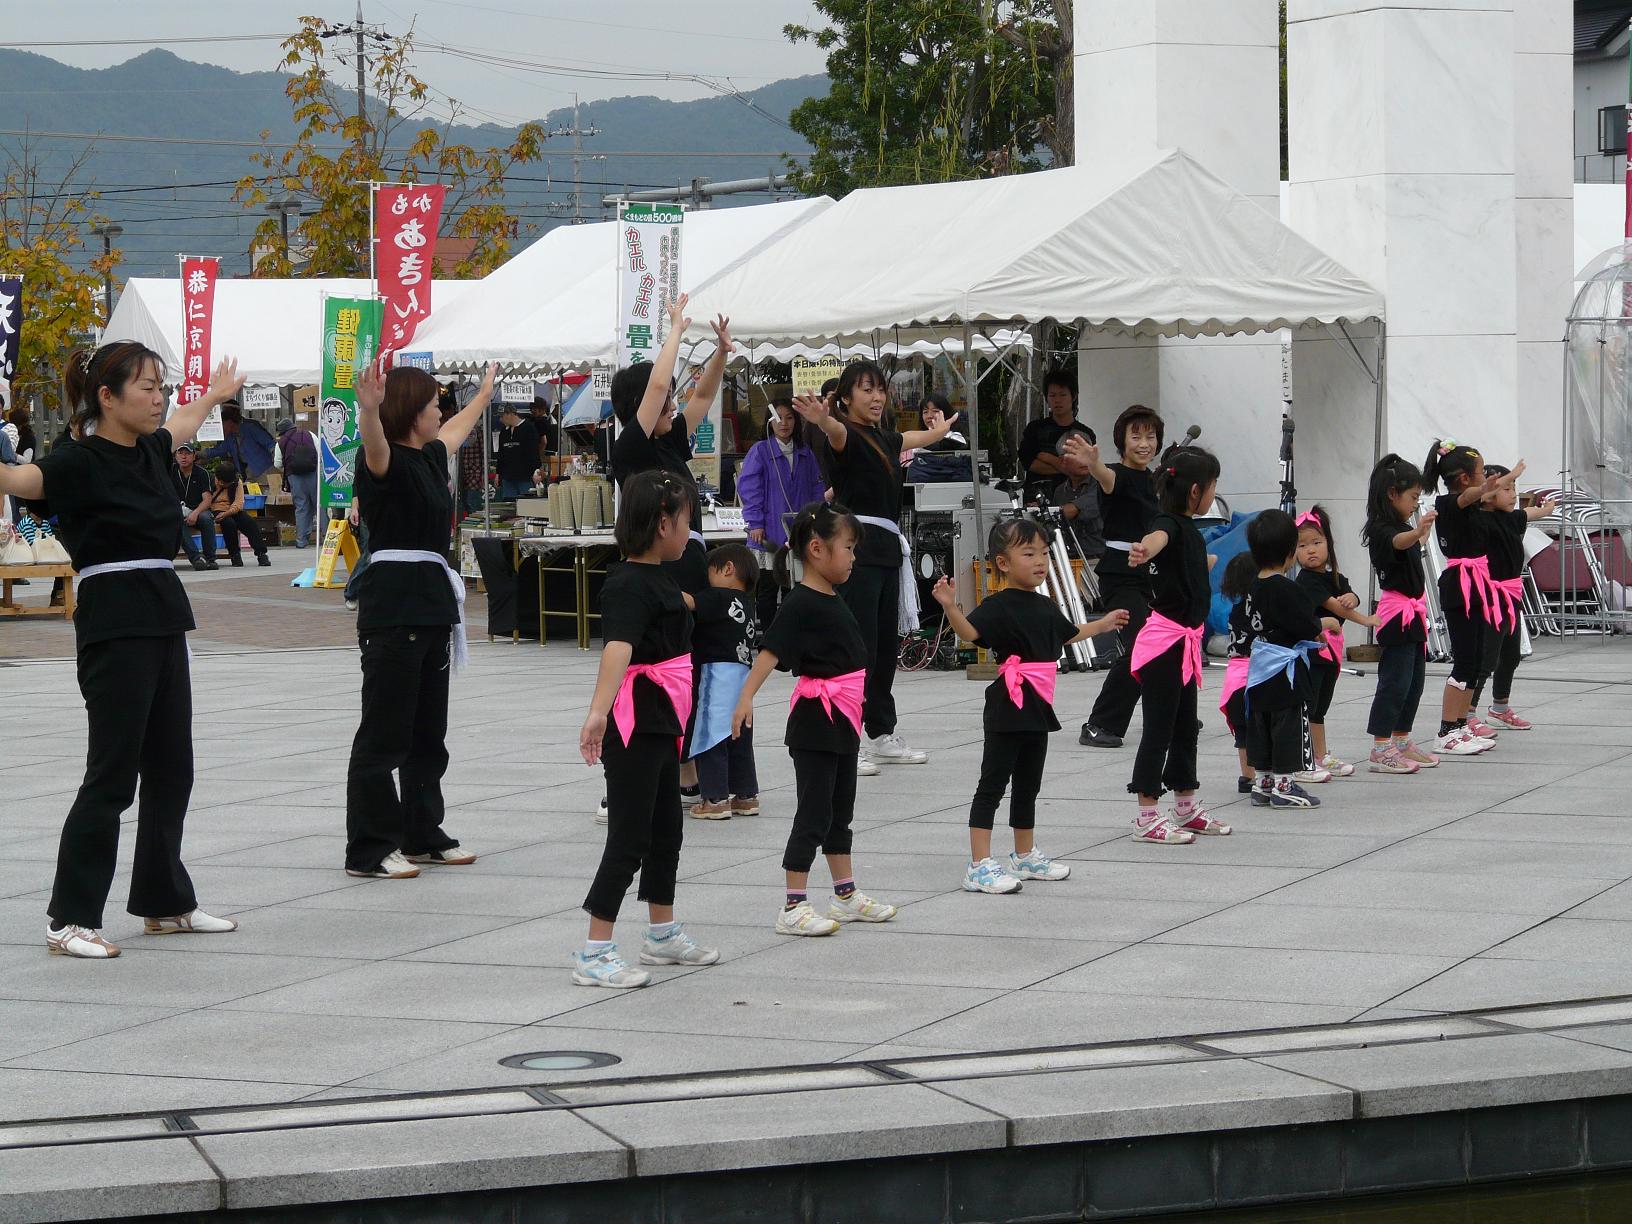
<point>107,233</point>
<point>285,208</point>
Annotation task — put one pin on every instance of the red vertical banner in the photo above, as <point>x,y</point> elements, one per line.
<point>406,219</point>
<point>198,277</point>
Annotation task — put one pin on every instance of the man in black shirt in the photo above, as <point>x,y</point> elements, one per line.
<point>1039,444</point>
<point>517,454</point>
<point>193,489</point>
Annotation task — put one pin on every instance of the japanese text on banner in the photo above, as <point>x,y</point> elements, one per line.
<point>648,277</point>
<point>406,220</point>
<point>11,324</point>
<point>198,277</point>
<point>351,330</point>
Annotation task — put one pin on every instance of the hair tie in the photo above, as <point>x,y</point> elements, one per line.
<point>1309,519</point>
<point>85,359</point>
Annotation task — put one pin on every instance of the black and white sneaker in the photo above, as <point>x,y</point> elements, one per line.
<point>601,816</point>
<point>1097,737</point>
<point>1288,794</point>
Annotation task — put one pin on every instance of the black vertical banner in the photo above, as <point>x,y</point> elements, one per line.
<point>11,323</point>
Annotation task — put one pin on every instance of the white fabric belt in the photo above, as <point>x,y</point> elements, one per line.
<point>122,567</point>
<point>1119,545</point>
<point>907,618</point>
<point>458,644</point>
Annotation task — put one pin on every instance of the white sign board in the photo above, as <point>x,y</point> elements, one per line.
<point>601,387</point>
<point>262,399</point>
<point>210,430</point>
<point>648,277</point>
<point>515,391</point>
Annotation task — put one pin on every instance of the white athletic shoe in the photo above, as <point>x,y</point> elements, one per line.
<point>78,941</point>
<point>392,867</point>
<point>1336,766</point>
<point>989,876</point>
<point>891,749</point>
<point>1458,743</point>
<point>1037,866</point>
<point>859,907</point>
<point>601,816</point>
<point>606,968</point>
<point>865,768</point>
<point>195,923</point>
<point>803,920</point>
<point>1314,775</point>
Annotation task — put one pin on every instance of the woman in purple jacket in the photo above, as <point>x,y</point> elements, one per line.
<point>779,476</point>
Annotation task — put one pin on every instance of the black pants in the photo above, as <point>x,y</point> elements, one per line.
<point>1278,740</point>
<point>1113,708</point>
<point>1167,746</point>
<point>1401,673</point>
<point>825,783</point>
<point>404,729</point>
<point>644,826</point>
<point>231,525</point>
<point>1471,642</point>
<point>1016,755</point>
<point>1322,686</point>
<point>1507,662</point>
<point>873,596</point>
<point>728,768</point>
<point>139,701</point>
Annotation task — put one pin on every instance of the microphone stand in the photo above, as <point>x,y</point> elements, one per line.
<point>1289,491</point>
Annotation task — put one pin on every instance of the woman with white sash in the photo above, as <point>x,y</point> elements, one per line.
<point>117,513</point>
<point>410,625</point>
<point>882,593</point>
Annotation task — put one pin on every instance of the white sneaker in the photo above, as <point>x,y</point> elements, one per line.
<point>78,941</point>
<point>859,907</point>
<point>1313,775</point>
<point>803,920</point>
<point>195,923</point>
<point>1458,743</point>
<point>988,876</point>
<point>454,856</point>
<point>601,816</point>
<point>607,969</point>
<point>865,768</point>
<point>891,749</point>
<point>677,949</point>
<point>1037,866</point>
<point>1336,766</point>
<point>392,867</point>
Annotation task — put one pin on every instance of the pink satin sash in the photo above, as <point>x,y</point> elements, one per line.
<point>1235,679</point>
<point>1158,635</point>
<point>673,676</point>
<point>844,691</point>
<point>1395,604</point>
<point>1041,676</point>
<point>1475,572</point>
<point>1508,596</point>
<point>1333,648</point>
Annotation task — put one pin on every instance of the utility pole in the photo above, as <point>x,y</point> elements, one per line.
<point>361,32</point>
<point>577,131</point>
<point>107,233</point>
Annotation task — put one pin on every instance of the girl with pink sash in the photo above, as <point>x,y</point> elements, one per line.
<point>1330,592</point>
<point>634,730</point>
<point>1508,525</point>
<point>1166,656</point>
<point>1027,631</point>
<point>817,638</point>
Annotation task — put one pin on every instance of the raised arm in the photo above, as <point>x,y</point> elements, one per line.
<point>1116,618</point>
<point>225,383</point>
<point>25,481</point>
<point>657,388</point>
<point>457,427</point>
<point>939,427</point>
<point>1414,535</point>
<point>1086,453</point>
<point>815,410</point>
<point>707,389</point>
<point>370,395</point>
<point>947,596</point>
<point>1147,548</point>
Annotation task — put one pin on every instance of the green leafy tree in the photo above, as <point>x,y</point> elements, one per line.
<point>45,222</point>
<point>395,141</point>
<point>936,90</point>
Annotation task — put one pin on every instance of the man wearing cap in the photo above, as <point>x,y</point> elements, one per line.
<point>193,491</point>
<point>517,454</point>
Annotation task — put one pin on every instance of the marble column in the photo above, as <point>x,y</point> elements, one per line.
<point>1402,122</point>
<point>1201,75</point>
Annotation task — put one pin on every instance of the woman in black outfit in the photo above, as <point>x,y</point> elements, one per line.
<point>409,624</point>
<point>115,506</point>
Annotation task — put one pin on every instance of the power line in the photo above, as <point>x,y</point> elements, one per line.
<point>145,42</point>
<point>94,137</point>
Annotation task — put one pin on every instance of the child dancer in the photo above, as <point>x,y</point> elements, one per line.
<point>644,687</point>
<point>1287,629</point>
<point>1238,578</point>
<point>722,650</point>
<point>1508,525</point>
<point>1129,506</point>
<point>1028,632</point>
<point>817,638</point>
<point>111,494</point>
<point>1465,597</point>
<point>1333,597</point>
<point>1402,614</point>
<point>1166,656</point>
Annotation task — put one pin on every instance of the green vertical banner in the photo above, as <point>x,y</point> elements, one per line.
<point>351,339</point>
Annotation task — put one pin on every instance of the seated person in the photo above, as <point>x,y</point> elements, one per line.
<point>227,504</point>
<point>194,489</point>
<point>1077,496</point>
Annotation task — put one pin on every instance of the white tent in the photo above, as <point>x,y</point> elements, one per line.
<point>273,327</point>
<point>555,303</point>
<point>1162,247</point>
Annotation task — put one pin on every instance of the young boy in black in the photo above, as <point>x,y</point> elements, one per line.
<point>722,650</point>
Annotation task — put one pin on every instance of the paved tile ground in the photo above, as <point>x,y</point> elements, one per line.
<point>1506,880</point>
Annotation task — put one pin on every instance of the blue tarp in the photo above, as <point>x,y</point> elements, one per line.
<point>1224,541</point>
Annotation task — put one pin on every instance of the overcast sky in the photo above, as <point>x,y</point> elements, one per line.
<point>739,39</point>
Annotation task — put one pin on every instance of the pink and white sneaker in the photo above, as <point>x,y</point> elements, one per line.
<point>1198,822</point>
<point>1158,832</point>
<point>1510,719</point>
<point>1419,758</point>
<point>1481,730</point>
<point>1458,743</point>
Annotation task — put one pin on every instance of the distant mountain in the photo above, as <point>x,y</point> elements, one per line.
<point>160,94</point>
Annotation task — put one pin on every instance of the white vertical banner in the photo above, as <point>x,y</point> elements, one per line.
<point>648,277</point>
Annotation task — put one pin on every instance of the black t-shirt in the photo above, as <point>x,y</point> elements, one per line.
<point>190,486</point>
<point>1026,624</point>
<point>635,451</point>
<point>816,635</point>
<point>641,605</point>
<point>1180,589</point>
<point>1506,535</point>
<point>118,503</point>
<point>1463,531</point>
<point>1397,570</point>
<point>690,570</point>
<point>1129,511</point>
<point>1242,633</point>
<point>410,508</point>
<point>1042,436</point>
<point>1280,612</point>
<point>866,477</point>
<point>723,627</point>
<point>1319,586</point>
<point>518,451</point>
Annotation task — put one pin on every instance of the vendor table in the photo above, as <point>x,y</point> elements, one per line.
<point>10,573</point>
<point>590,555</point>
